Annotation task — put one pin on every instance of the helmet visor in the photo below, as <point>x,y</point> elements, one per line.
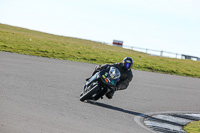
<point>127,65</point>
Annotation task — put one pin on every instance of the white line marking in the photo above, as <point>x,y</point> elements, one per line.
<point>163,125</point>
<point>173,119</point>
<point>194,115</point>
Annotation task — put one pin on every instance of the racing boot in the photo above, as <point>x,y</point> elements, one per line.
<point>110,94</point>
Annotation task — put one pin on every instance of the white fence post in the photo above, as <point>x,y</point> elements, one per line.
<point>161,53</point>
<point>146,50</point>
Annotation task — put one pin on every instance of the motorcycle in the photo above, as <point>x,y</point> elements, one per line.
<point>100,83</point>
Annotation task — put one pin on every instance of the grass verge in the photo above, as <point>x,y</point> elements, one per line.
<point>193,127</point>
<point>29,42</point>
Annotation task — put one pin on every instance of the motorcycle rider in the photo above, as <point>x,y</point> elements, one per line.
<point>126,74</point>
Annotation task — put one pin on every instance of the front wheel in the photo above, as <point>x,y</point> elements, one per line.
<point>88,94</point>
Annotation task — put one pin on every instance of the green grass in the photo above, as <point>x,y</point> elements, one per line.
<point>29,42</point>
<point>193,127</point>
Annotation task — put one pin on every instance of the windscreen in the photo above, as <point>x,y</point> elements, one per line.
<point>114,72</point>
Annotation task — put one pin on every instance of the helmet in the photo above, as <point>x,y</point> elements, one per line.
<point>127,62</point>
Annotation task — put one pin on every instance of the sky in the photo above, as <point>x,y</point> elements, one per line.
<point>168,25</point>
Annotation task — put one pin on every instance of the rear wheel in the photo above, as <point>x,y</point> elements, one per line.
<point>89,93</point>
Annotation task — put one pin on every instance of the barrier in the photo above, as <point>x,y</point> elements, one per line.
<point>162,53</point>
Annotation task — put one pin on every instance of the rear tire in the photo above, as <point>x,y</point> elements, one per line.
<point>89,93</point>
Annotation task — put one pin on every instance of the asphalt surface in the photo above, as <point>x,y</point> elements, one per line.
<point>41,95</point>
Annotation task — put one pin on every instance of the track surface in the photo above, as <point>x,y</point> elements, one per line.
<point>41,95</point>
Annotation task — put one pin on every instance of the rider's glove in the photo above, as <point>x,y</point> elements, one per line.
<point>97,67</point>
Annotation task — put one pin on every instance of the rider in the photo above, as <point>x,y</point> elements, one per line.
<point>126,74</point>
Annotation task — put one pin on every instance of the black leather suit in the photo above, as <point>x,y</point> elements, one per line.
<point>126,75</point>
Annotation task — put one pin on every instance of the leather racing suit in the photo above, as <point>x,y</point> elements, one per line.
<point>125,78</point>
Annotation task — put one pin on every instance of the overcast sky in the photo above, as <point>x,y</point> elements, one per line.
<point>169,25</point>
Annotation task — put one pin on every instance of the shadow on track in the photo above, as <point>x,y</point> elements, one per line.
<point>134,113</point>
<point>117,109</point>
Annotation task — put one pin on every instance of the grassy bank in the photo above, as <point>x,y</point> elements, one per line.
<point>24,41</point>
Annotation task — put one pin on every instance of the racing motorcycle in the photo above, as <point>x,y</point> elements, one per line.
<point>100,83</point>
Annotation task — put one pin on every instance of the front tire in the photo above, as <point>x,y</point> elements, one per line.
<point>89,93</point>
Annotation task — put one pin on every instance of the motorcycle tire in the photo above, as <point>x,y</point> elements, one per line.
<point>89,93</point>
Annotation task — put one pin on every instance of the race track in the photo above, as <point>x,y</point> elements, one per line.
<point>41,95</point>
